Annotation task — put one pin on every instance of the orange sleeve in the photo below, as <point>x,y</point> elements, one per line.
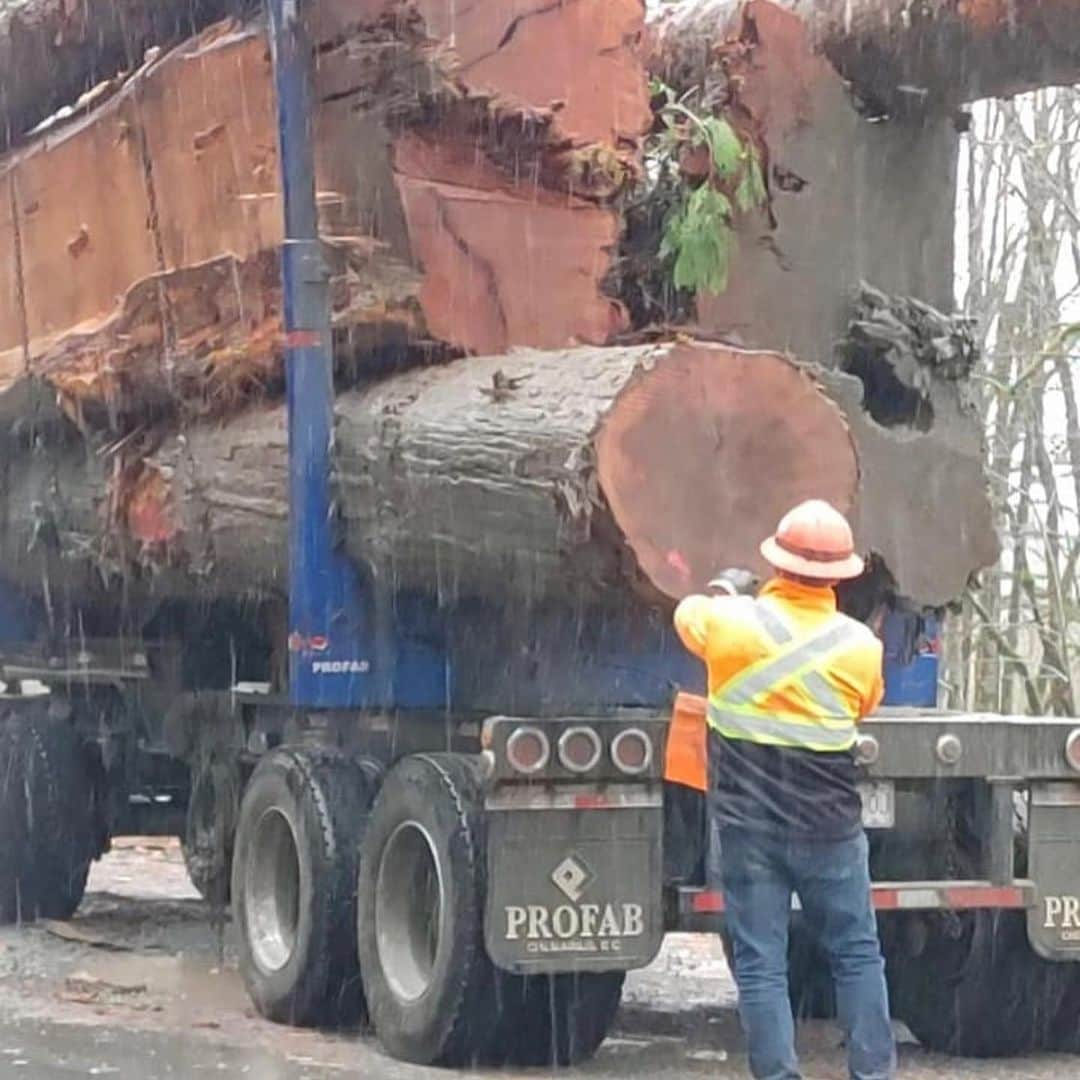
<point>692,620</point>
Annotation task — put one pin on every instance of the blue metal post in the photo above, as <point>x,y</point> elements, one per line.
<point>329,652</point>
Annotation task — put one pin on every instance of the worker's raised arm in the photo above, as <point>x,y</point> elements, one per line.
<point>875,682</point>
<point>692,618</point>
<point>694,614</point>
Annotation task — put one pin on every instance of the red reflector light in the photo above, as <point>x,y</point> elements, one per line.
<point>632,751</point>
<point>580,749</point>
<point>528,750</point>
<point>592,802</point>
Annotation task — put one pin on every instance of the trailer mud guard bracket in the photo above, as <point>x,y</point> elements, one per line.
<point>1054,866</point>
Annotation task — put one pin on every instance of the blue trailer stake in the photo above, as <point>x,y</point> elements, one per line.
<point>329,650</point>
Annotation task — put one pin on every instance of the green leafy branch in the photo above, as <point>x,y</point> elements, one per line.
<point>699,239</point>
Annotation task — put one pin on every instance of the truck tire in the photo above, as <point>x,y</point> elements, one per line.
<point>555,1020</point>
<point>429,984</point>
<point>972,987</point>
<point>968,983</point>
<point>294,866</point>
<point>47,816</point>
<point>210,827</point>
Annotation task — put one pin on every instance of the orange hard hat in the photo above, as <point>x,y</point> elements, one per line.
<point>814,540</point>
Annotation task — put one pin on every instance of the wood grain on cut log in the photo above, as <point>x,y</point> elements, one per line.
<point>504,263</point>
<point>154,276</point>
<point>506,182</point>
<point>897,54</point>
<point>585,473</point>
<point>541,475</point>
<point>579,60</point>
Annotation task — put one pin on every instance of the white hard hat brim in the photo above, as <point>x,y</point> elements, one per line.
<point>840,570</point>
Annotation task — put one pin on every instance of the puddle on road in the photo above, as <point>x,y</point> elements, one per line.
<point>197,995</point>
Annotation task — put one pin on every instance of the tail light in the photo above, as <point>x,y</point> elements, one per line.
<point>580,749</point>
<point>528,750</point>
<point>632,751</point>
<point>1072,750</point>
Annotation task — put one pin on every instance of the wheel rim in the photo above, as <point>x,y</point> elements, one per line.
<point>272,886</point>
<point>410,906</point>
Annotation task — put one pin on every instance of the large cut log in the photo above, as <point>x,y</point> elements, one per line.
<point>533,475</point>
<point>576,477</point>
<point>897,54</point>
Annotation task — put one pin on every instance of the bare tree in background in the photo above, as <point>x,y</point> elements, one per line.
<point>1015,646</point>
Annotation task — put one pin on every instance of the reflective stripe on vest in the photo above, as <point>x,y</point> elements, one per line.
<point>733,708</point>
<point>777,731</point>
<point>772,624</point>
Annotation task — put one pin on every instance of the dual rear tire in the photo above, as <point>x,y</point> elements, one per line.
<point>293,886</point>
<point>433,994</point>
<point>48,816</point>
<point>969,985</point>
<point>344,900</point>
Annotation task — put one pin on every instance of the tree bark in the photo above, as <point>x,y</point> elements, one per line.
<point>895,54</point>
<point>53,51</point>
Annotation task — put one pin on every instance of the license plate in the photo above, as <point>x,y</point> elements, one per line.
<point>878,804</point>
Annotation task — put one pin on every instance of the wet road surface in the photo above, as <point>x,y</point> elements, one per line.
<point>141,986</point>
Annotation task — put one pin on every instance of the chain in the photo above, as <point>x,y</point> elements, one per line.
<point>954,865</point>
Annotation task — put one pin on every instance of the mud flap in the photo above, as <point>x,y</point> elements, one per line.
<point>1054,866</point>
<point>574,889</point>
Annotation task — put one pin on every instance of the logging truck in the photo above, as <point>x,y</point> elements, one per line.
<point>374,611</point>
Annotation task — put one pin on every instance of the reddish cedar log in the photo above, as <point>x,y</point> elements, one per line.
<point>155,275</point>
<point>579,60</point>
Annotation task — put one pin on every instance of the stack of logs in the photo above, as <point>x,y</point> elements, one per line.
<point>500,418</point>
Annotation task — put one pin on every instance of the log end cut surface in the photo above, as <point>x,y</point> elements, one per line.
<point>702,455</point>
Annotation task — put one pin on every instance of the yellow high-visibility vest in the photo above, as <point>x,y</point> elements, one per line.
<point>789,697</point>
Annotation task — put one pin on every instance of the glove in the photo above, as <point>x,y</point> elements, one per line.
<point>734,582</point>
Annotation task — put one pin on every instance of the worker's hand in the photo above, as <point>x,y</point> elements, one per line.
<point>734,582</point>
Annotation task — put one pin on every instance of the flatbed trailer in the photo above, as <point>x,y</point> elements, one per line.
<point>479,881</point>
<point>536,856</point>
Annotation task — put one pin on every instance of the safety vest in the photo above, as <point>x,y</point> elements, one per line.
<point>686,754</point>
<point>741,709</point>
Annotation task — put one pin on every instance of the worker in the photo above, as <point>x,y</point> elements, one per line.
<point>789,677</point>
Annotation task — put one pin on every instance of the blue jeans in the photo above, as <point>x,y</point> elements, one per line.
<point>832,881</point>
